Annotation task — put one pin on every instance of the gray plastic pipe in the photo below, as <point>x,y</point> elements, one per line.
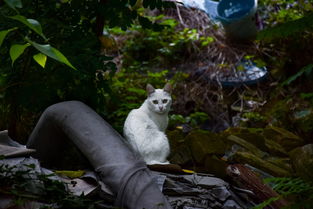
<point>118,166</point>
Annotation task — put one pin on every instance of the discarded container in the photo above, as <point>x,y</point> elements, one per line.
<point>208,6</point>
<point>249,74</point>
<point>238,18</point>
<point>211,8</point>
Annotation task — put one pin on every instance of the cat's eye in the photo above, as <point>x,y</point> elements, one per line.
<point>155,101</point>
<point>164,101</point>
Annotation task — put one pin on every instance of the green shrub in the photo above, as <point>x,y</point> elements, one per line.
<point>145,47</point>
<point>50,52</point>
<point>298,192</point>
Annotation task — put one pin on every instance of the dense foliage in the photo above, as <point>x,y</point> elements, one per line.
<point>66,31</point>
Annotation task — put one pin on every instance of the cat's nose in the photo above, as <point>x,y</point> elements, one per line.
<point>161,108</point>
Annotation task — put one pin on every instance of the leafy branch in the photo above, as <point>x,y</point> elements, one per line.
<point>17,50</point>
<point>287,29</point>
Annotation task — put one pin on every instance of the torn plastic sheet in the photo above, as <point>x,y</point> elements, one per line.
<point>10,148</point>
<point>182,191</point>
<point>201,191</point>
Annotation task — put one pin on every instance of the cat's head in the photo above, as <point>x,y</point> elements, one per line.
<point>159,100</point>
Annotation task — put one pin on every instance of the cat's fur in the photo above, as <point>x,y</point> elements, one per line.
<point>145,127</point>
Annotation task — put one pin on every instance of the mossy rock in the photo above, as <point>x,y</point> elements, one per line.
<point>284,163</point>
<point>255,136</point>
<point>175,138</point>
<point>283,137</point>
<point>181,156</point>
<point>246,145</point>
<point>302,160</point>
<point>251,135</point>
<point>216,166</point>
<point>203,143</point>
<point>275,149</point>
<point>246,157</point>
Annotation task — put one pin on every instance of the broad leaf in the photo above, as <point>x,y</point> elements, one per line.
<point>51,52</point>
<point>31,23</point>
<point>14,3</point>
<point>40,59</point>
<point>16,50</point>
<point>4,33</point>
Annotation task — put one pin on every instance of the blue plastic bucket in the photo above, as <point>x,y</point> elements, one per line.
<point>238,18</point>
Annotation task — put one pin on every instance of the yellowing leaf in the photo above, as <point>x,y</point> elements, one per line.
<point>40,59</point>
<point>188,171</point>
<point>71,174</point>
<point>16,50</point>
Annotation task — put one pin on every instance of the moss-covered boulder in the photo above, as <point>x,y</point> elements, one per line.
<point>215,165</point>
<point>255,136</point>
<point>175,138</point>
<point>251,135</point>
<point>180,152</point>
<point>275,149</point>
<point>284,163</point>
<point>283,137</point>
<point>203,143</point>
<point>245,145</point>
<point>181,155</point>
<point>246,157</point>
<point>302,160</point>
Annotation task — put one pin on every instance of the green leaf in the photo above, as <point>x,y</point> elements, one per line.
<point>169,22</point>
<point>137,91</point>
<point>287,29</point>
<point>266,202</point>
<point>307,70</point>
<point>31,23</point>
<point>4,33</point>
<point>51,52</point>
<point>14,3</point>
<point>16,50</point>
<point>40,59</point>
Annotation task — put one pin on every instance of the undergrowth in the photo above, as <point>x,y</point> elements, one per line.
<point>24,184</point>
<point>298,192</point>
<point>144,48</point>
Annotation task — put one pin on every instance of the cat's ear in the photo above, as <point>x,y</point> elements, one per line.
<point>168,88</point>
<point>150,89</point>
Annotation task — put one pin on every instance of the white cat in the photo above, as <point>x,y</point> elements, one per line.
<point>145,127</point>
